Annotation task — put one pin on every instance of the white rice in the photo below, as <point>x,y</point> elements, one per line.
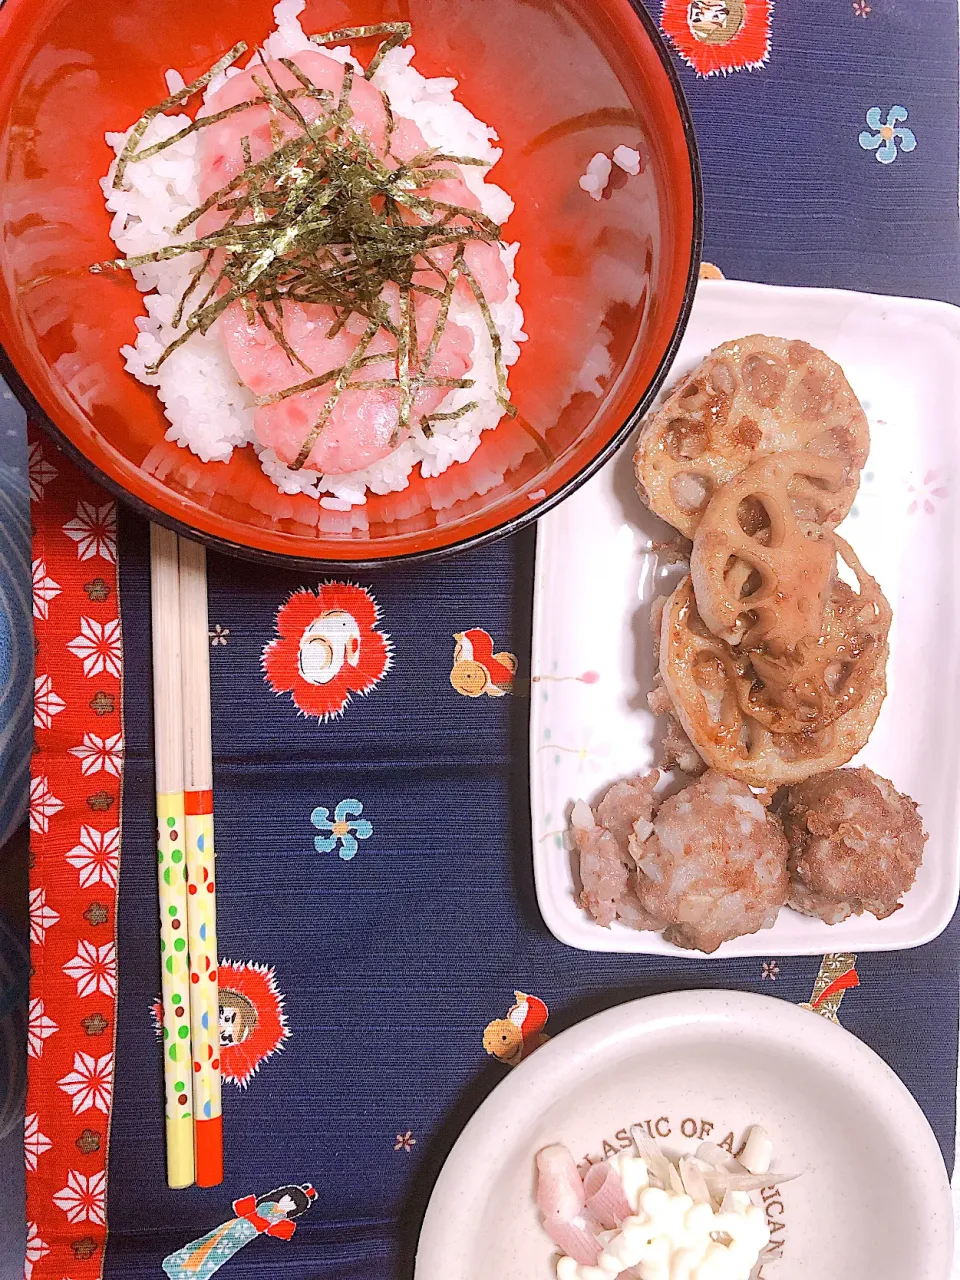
<point>209,409</point>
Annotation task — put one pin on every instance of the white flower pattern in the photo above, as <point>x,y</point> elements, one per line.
<point>46,702</point>
<point>97,858</point>
<point>36,1249</point>
<point>98,755</point>
<point>44,805</point>
<point>93,968</point>
<point>35,1143</point>
<point>98,646</point>
<point>41,471</point>
<point>82,1199</point>
<point>39,1028</point>
<point>44,590</point>
<point>90,1083</point>
<point>94,530</point>
<point>42,916</point>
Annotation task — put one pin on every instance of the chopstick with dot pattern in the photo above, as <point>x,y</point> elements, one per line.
<point>171,860</point>
<point>201,883</point>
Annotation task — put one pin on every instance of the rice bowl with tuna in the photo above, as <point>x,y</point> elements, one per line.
<point>322,261</point>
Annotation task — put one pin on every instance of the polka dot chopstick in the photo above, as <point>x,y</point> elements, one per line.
<point>171,858</point>
<point>201,886</point>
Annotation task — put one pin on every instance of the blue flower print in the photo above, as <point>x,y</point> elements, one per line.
<point>346,828</point>
<point>885,137</point>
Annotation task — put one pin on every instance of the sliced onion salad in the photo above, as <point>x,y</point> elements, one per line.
<point>597,1219</point>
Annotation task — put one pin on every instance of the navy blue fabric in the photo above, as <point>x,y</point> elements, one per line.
<point>393,963</point>
<point>790,195</point>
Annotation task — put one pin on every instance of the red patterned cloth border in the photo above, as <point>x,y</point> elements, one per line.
<point>75,798</point>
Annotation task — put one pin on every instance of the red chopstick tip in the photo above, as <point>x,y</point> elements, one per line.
<point>209,1151</point>
<point>198,802</point>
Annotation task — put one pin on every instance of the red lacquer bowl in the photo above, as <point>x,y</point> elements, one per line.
<point>558,79</point>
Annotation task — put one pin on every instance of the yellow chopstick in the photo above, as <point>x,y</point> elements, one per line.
<point>171,860</point>
<point>201,883</point>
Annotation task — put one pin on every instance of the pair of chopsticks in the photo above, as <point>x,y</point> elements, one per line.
<point>185,860</point>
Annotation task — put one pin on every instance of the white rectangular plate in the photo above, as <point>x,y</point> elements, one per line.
<point>592,660</point>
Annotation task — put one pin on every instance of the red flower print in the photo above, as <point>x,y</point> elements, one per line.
<point>327,649</point>
<point>719,38</point>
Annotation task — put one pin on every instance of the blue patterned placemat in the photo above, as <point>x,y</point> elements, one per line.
<point>375,889</point>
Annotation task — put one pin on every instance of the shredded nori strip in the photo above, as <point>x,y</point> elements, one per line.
<point>323,219</point>
<point>201,122</point>
<point>175,99</point>
<point>396,33</point>
<point>338,389</point>
<point>453,414</point>
<point>494,333</point>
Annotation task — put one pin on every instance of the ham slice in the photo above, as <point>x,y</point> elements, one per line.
<point>561,1200</point>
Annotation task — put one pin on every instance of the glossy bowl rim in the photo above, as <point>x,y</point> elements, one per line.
<point>512,525</point>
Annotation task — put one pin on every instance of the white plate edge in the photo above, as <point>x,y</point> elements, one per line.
<point>630,942</point>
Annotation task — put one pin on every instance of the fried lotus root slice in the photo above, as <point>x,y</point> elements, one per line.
<point>760,573</point>
<point>751,397</point>
<point>700,674</point>
<point>826,676</point>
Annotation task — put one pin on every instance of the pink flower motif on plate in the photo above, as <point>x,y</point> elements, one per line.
<point>94,530</point>
<point>585,751</point>
<point>96,857</point>
<point>42,916</point>
<point>90,1083</point>
<point>94,969</point>
<point>82,1199</point>
<point>924,496</point>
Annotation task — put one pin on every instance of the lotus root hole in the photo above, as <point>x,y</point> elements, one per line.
<point>723,379</point>
<point>708,673</point>
<point>753,519</point>
<point>685,438</point>
<point>764,380</point>
<point>690,490</point>
<point>798,353</point>
<point>814,397</point>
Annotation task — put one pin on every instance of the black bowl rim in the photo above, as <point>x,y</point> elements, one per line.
<point>279,559</point>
